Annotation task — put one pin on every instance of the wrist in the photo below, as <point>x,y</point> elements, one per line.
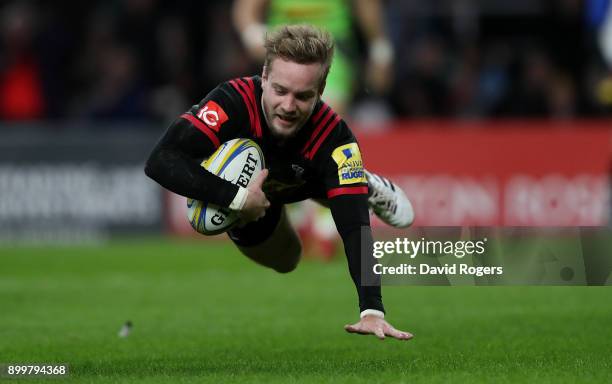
<point>381,51</point>
<point>240,199</point>
<point>253,35</point>
<point>372,312</point>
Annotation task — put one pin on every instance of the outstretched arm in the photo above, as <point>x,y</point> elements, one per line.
<point>351,216</point>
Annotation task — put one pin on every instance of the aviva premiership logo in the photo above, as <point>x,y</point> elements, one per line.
<point>350,165</point>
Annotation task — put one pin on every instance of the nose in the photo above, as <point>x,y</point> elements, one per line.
<point>288,104</point>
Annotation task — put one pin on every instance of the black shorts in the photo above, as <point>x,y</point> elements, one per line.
<point>256,232</point>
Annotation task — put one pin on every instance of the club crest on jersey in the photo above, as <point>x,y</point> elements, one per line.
<point>212,115</point>
<point>350,165</point>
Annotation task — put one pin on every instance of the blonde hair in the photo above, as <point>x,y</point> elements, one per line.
<point>303,44</point>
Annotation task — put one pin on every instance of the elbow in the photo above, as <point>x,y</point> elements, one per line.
<point>150,168</point>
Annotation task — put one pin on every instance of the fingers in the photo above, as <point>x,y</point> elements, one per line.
<point>259,180</point>
<point>362,330</point>
<point>265,203</point>
<point>263,212</point>
<point>356,328</point>
<point>256,187</point>
<point>378,330</point>
<point>398,334</point>
<point>379,333</point>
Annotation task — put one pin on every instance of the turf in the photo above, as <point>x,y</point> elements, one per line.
<point>203,313</point>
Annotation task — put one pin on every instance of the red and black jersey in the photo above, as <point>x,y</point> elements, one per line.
<point>321,161</point>
<point>304,167</point>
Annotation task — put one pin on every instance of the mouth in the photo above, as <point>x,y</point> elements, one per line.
<point>287,120</point>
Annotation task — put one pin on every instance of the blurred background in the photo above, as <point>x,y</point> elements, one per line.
<point>487,112</point>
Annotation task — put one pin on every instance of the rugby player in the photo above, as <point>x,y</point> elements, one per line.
<point>310,153</point>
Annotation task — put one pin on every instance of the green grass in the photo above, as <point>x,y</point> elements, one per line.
<point>204,313</point>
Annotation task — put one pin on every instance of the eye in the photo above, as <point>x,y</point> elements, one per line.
<point>280,91</point>
<point>304,96</point>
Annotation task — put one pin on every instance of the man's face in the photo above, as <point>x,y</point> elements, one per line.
<point>290,92</point>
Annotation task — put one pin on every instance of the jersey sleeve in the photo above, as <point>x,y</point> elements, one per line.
<point>175,161</point>
<point>344,172</point>
<point>219,116</point>
<point>347,193</point>
<point>351,215</point>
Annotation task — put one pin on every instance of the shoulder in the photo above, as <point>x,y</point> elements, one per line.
<point>233,94</point>
<point>243,91</point>
<point>248,91</point>
<point>247,85</point>
<point>327,130</point>
<point>226,110</point>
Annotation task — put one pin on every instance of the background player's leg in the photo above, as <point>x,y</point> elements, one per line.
<point>270,241</point>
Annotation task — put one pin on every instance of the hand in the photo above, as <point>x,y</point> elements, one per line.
<point>373,325</point>
<point>256,203</point>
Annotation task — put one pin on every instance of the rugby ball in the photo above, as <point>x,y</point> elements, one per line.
<point>238,161</point>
